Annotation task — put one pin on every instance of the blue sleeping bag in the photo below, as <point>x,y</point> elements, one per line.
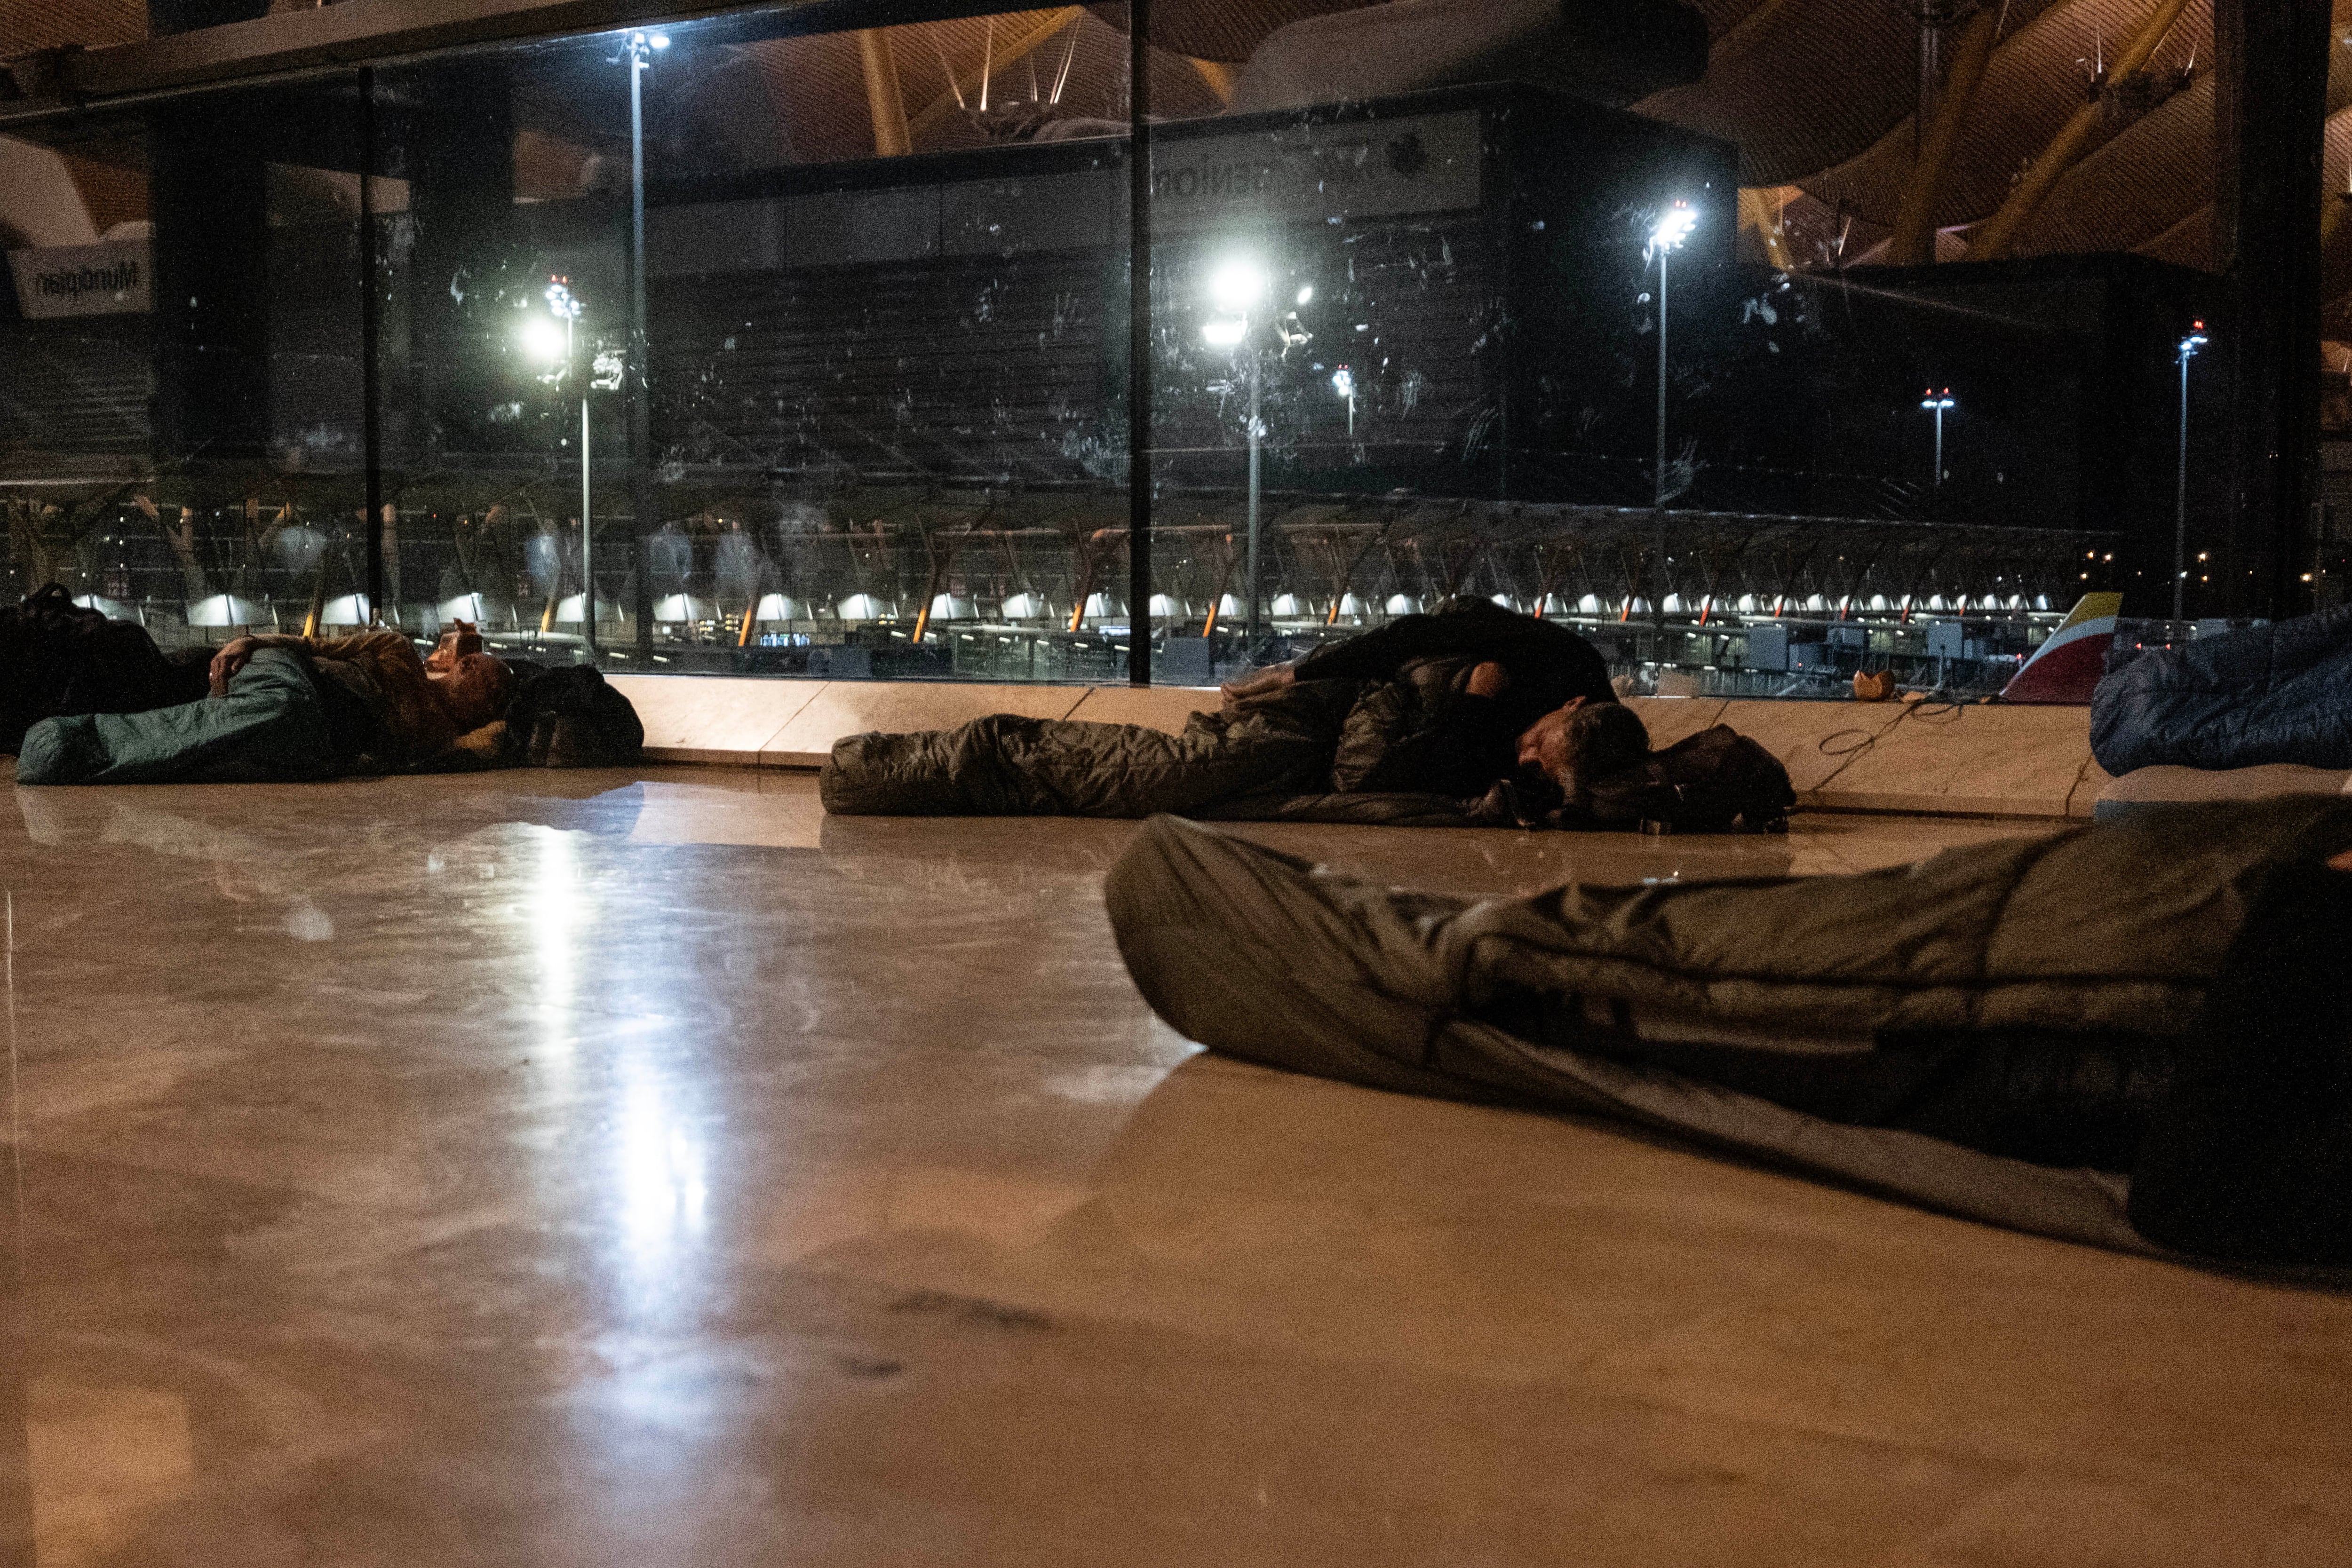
<point>2273,694</point>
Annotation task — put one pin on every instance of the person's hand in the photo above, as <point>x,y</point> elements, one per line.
<point>1258,683</point>
<point>1489,680</point>
<point>233,657</point>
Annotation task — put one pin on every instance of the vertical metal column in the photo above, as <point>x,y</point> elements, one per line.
<point>1139,342</point>
<point>641,441</point>
<point>1934,18</point>
<point>1658,493</point>
<point>1256,428</point>
<point>2180,499</point>
<point>2269,109</point>
<point>371,427</point>
<point>587,534</point>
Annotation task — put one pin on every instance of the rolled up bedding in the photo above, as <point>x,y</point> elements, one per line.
<point>2134,1035</point>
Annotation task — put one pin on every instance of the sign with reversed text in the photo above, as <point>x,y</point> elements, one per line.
<point>116,278</point>
<point>1347,169</point>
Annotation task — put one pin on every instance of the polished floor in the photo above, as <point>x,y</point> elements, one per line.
<point>599,1169</point>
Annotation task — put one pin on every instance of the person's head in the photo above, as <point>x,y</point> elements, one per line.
<point>1584,741</point>
<point>461,639</point>
<point>476,688</point>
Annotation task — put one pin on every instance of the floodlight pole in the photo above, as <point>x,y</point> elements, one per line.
<point>1659,493</point>
<point>1250,622</point>
<point>587,510</point>
<point>2189,347</point>
<point>1665,236</point>
<point>634,382</point>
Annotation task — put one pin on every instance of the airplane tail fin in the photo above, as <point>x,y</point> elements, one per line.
<point>2067,668</point>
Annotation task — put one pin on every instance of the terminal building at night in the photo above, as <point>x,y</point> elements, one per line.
<point>884,377</point>
<point>664,1158</point>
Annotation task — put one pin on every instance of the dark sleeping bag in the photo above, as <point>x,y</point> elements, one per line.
<point>1385,726</point>
<point>2134,1035</point>
<point>2272,694</point>
<point>58,658</point>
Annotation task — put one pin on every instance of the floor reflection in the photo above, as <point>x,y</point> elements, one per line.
<point>645,1169</point>
<point>661,1188</point>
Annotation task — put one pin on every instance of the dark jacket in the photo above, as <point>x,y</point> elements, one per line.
<point>1416,727</point>
<point>57,658</point>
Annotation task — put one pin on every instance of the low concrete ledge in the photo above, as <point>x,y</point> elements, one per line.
<point>1920,758</point>
<point>2165,785</point>
<point>756,722</point>
<point>1925,758</point>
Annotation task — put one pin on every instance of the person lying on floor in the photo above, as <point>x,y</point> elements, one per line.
<point>1419,721</point>
<point>284,708</point>
<point>2135,1034</point>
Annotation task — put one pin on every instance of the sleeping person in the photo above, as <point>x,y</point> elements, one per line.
<point>2136,1035</point>
<point>1419,721</point>
<point>287,708</point>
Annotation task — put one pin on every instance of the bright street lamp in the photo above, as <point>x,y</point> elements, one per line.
<point>1673,228</point>
<point>544,339</point>
<point>1938,402</point>
<point>1236,286</point>
<point>2187,350</point>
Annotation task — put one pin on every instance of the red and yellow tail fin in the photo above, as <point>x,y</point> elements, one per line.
<point>2067,668</point>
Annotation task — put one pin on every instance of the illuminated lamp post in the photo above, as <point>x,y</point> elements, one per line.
<point>2187,350</point>
<point>638,51</point>
<point>1673,228</point>
<point>560,350</point>
<point>1234,289</point>
<point>1936,403</point>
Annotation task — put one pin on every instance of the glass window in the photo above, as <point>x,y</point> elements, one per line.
<point>182,439</point>
<point>730,347</point>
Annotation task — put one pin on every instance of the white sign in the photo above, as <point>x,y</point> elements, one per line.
<point>1351,168</point>
<point>115,278</point>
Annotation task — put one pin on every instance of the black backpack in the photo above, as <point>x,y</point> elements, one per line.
<point>1706,783</point>
<point>568,715</point>
<point>56,658</point>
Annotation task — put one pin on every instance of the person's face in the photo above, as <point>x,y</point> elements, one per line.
<point>1543,744</point>
<point>470,687</point>
<point>461,640</point>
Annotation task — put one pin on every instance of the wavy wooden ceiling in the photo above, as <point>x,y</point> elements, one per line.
<point>1818,95</point>
<point>1833,123</point>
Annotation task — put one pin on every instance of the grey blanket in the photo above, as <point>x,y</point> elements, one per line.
<point>2131,1035</point>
